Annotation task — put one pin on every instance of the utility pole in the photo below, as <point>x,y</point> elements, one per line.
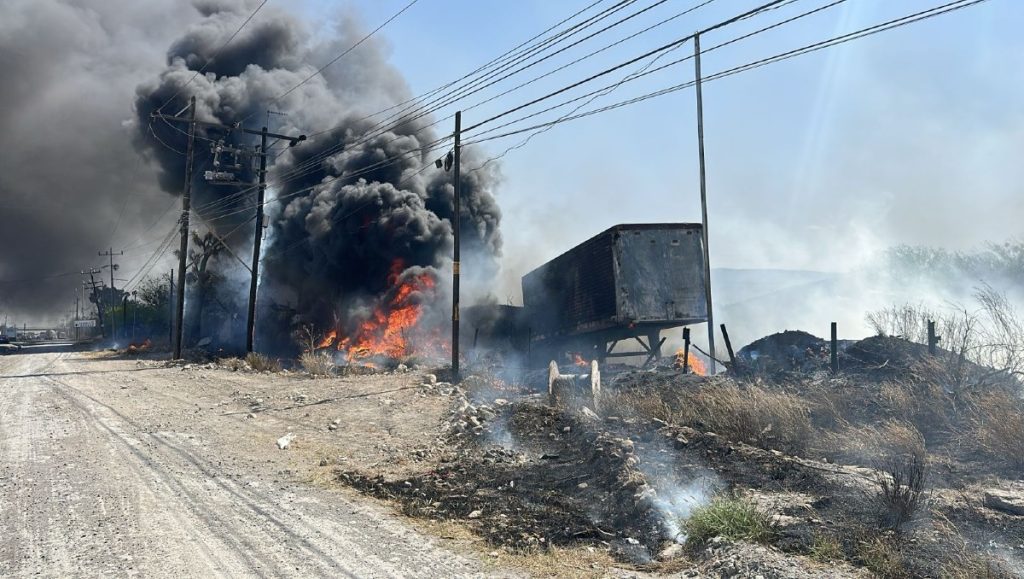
<point>704,203</point>
<point>94,285</point>
<point>170,313</point>
<point>455,258</point>
<point>124,316</point>
<point>110,253</point>
<point>264,134</point>
<point>135,314</point>
<point>76,314</point>
<point>250,324</point>
<point>186,207</point>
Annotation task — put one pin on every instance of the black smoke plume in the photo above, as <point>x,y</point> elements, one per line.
<point>342,216</point>
<point>71,181</point>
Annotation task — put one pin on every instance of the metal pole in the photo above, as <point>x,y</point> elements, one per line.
<point>250,325</point>
<point>834,349</point>
<point>455,259</point>
<point>704,204</point>
<point>186,206</point>
<point>686,350</point>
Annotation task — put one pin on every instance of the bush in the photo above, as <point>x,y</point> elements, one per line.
<point>736,519</point>
<point>896,450</point>
<point>262,363</point>
<point>317,363</point>
<point>901,489</point>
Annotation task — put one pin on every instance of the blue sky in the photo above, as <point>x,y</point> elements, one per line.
<point>909,136</point>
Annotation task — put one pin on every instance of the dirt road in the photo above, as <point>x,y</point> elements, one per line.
<point>108,468</point>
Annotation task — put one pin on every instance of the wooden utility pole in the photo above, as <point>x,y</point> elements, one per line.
<point>170,311</point>
<point>704,204</point>
<point>250,324</point>
<point>186,207</point>
<point>457,210</point>
<point>261,193</point>
<point>124,316</point>
<point>94,286</point>
<point>110,253</point>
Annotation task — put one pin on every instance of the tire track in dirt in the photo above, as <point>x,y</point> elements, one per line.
<point>185,516</point>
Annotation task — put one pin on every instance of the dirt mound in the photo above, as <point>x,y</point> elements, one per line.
<point>789,351</point>
<point>883,356</point>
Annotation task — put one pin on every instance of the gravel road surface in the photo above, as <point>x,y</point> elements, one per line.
<point>104,476</point>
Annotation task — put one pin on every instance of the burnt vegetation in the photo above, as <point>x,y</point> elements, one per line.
<point>886,466</point>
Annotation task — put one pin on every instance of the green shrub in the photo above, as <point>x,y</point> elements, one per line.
<point>735,519</point>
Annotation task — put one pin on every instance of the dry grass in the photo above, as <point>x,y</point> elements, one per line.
<point>262,363</point>
<point>233,364</point>
<point>997,428</point>
<point>752,414</point>
<point>317,363</point>
<point>882,556</point>
<point>826,548</point>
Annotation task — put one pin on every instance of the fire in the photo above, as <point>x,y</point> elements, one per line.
<point>578,359</point>
<point>134,348</point>
<point>388,330</point>
<point>328,340</point>
<point>694,363</point>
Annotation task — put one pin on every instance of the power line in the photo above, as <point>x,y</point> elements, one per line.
<point>564,66</point>
<point>309,165</point>
<point>643,73</point>
<point>610,70</point>
<point>478,69</point>
<point>340,56</point>
<point>365,170</point>
<point>295,173</point>
<point>214,57</point>
<point>41,278</point>
<point>604,90</point>
<point>868,31</point>
<point>424,110</point>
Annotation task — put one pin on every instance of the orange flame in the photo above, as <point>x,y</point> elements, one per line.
<point>578,359</point>
<point>694,363</point>
<point>388,330</point>
<point>328,340</point>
